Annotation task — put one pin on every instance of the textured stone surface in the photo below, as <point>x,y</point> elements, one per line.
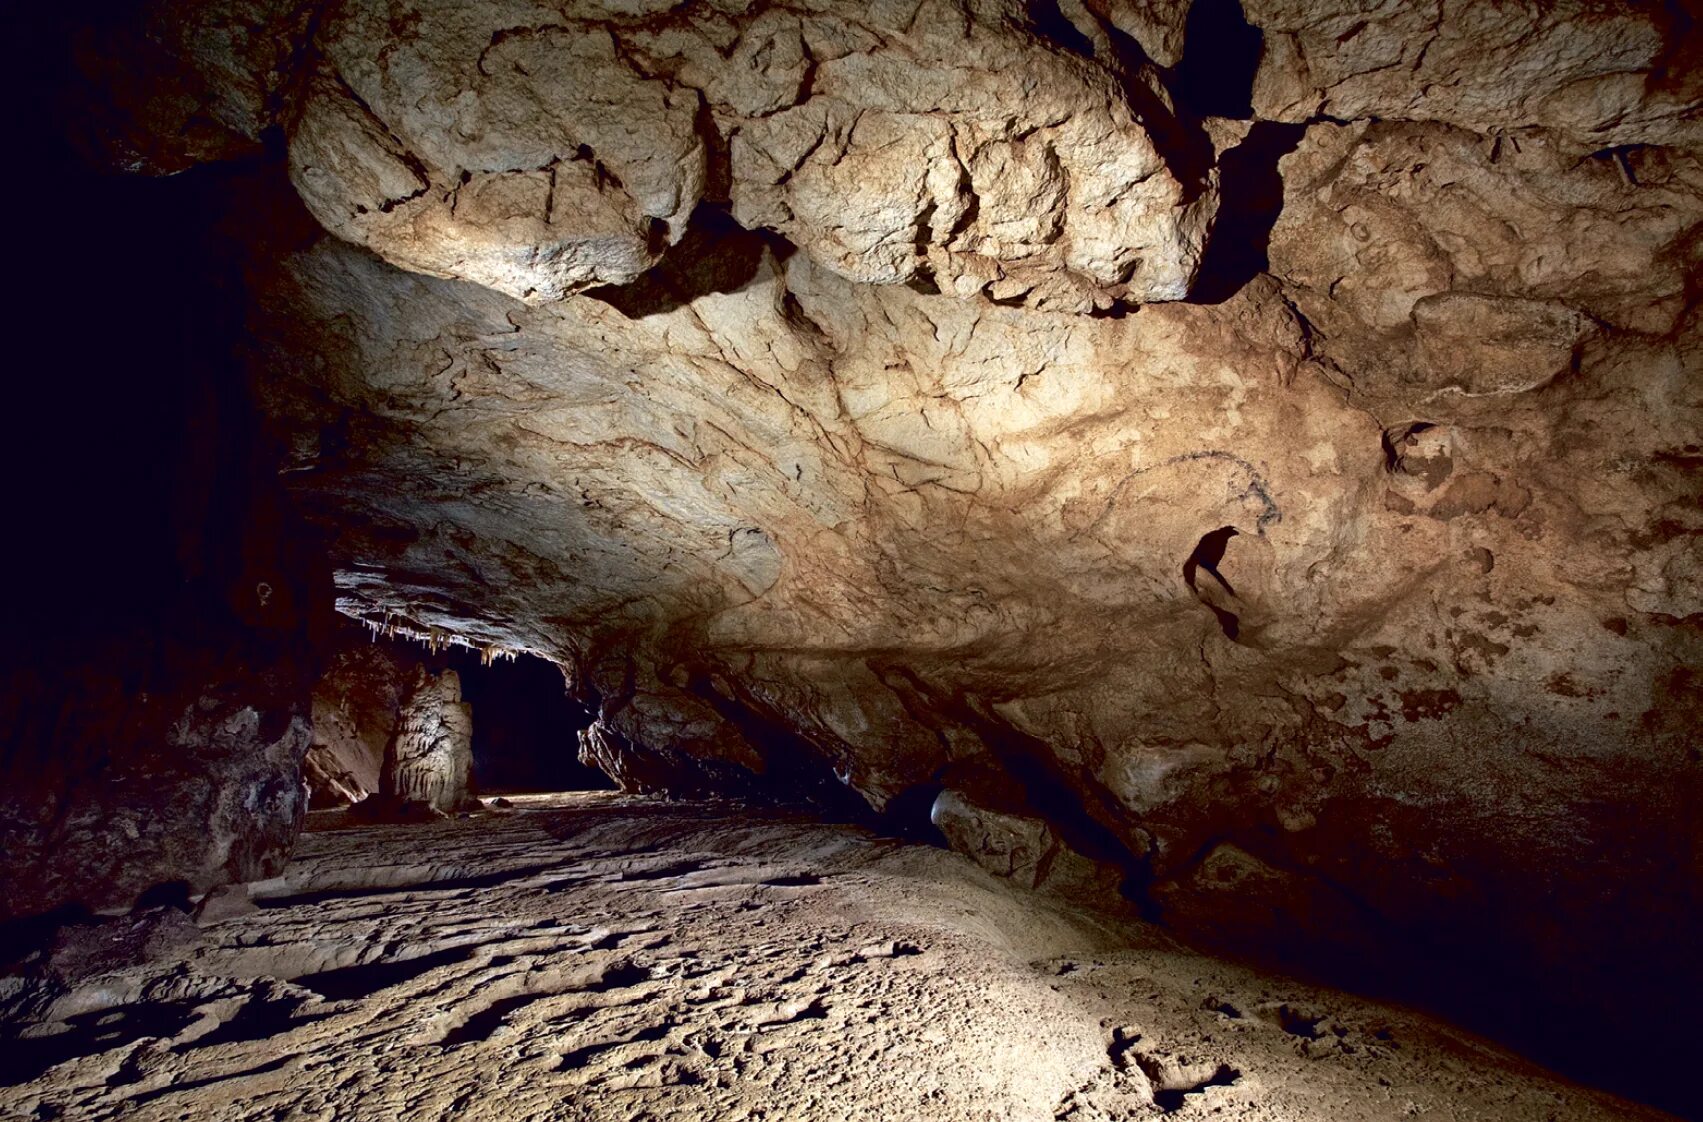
<point>430,756</point>
<point>623,957</point>
<point>1022,849</point>
<point>1599,75</point>
<point>189,774</point>
<point>355,708</point>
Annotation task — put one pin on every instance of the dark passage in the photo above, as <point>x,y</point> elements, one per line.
<point>1250,199</point>
<point>1221,55</point>
<point>525,726</point>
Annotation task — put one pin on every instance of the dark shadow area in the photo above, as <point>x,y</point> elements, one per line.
<point>260,1019</point>
<point>716,255</point>
<point>1221,55</point>
<point>1173,128</point>
<point>525,726</point>
<point>99,1031</point>
<point>1250,200</point>
<point>1021,776</point>
<point>155,569</point>
<point>907,814</point>
<point>1207,555</point>
<point>346,983</point>
<point>1541,1002</point>
<point>1051,24</point>
<point>797,768</point>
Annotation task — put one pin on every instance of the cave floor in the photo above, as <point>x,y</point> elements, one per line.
<point>596,956</point>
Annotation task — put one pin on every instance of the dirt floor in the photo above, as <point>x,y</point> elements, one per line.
<point>596,956</point>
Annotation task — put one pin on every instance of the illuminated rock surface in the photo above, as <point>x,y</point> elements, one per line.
<point>430,757</point>
<point>604,958</point>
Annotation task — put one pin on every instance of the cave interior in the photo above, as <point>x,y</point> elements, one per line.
<point>950,559</point>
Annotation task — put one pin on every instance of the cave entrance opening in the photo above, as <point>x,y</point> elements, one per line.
<point>525,726</point>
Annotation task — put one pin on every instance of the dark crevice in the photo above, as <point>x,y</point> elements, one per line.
<point>906,814</point>
<point>1221,56</point>
<point>346,983</point>
<point>1298,1024</point>
<point>1051,24</point>
<point>99,1030</point>
<point>1250,199</point>
<point>1395,440</point>
<point>1209,554</point>
<point>796,767</point>
<point>717,255</point>
<point>1033,781</point>
<point>579,1056</point>
<point>483,1024</point>
<point>718,160</point>
<point>260,1019</point>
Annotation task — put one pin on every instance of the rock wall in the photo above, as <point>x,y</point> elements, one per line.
<point>1263,438</point>
<point>356,703</point>
<point>161,599</point>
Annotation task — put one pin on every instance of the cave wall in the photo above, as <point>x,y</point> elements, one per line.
<point>356,703</point>
<point>161,597</point>
<point>856,398</point>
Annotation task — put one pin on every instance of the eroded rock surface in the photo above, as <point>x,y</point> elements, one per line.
<point>355,707</point>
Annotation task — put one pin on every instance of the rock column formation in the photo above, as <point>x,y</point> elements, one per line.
<point>430,757</point>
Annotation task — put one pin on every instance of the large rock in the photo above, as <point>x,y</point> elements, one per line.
<point>1436,267</point>
<point>116,782</point>
<point>1598,75</point>
<point>1022,848</point>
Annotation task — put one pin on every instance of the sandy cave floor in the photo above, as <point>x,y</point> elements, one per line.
<point>596,956</point>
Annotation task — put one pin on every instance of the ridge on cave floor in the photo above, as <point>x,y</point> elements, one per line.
<point>604,956</point>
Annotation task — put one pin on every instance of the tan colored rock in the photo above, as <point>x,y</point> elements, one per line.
<point>1437,265</point>
<point>1022,849</point>
<point>355,708</point>
<point>430,757</point>
<point>977,156</point>
<point>1599,74</point>
<point>506,167</point>
<point>540,155</point>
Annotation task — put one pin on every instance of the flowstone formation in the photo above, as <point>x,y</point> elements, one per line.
<point>1260,444</point>
<point>429,758</point>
